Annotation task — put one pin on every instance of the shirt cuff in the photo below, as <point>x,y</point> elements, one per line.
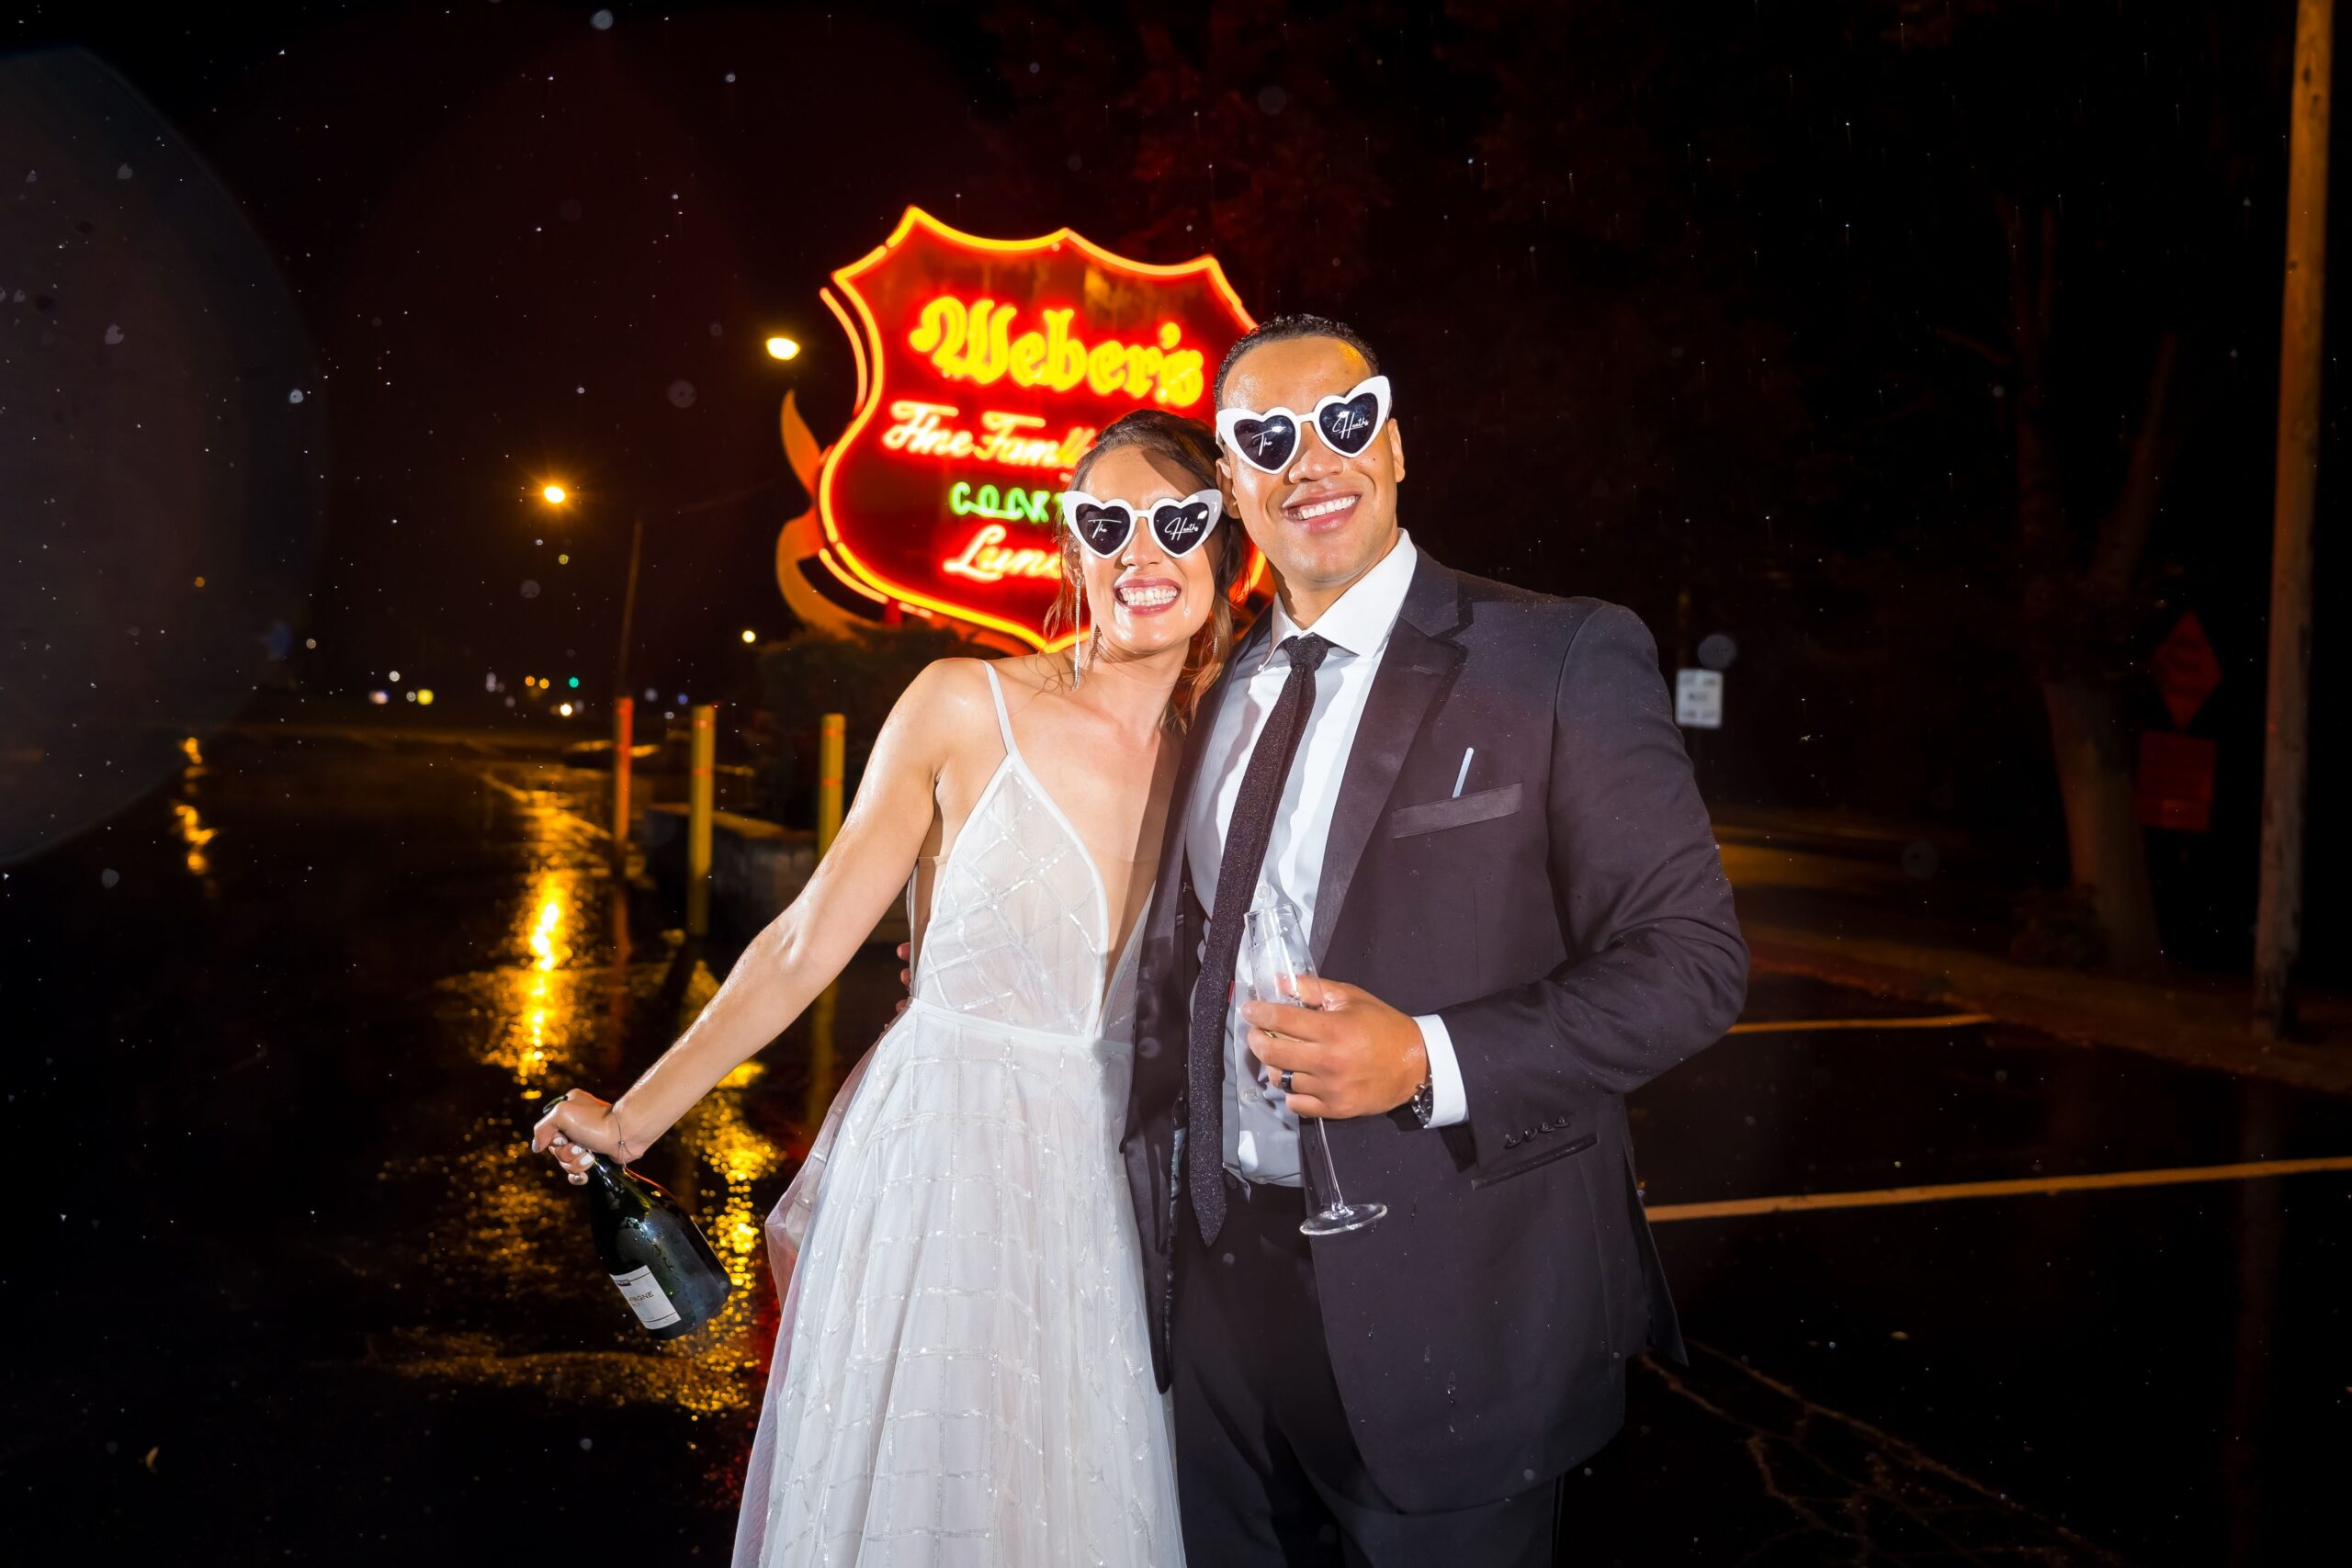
<point>1451,1104</point>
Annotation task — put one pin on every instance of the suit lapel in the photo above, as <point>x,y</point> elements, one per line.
<point>1417,664</point>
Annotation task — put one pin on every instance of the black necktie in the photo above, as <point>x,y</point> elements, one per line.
<point>1236,880</point>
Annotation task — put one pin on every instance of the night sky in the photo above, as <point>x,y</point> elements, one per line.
<point>514,235</point>
<point>1704,308</point>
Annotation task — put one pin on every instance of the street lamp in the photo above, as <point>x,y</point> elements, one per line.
<point>782,348</point>
<point>557,495</point>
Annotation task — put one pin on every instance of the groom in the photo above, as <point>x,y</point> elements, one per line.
<point>1478,800</point>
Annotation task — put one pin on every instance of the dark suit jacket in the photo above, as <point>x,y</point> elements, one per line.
<point>1568,918</point>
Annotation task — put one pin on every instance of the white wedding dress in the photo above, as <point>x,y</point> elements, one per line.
<point>961,1373</point>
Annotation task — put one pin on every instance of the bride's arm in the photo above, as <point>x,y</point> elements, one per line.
<point>804,949</point>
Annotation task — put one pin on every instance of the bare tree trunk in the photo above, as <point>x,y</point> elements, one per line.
<point>2108,858</point>
<point>2077,605</point>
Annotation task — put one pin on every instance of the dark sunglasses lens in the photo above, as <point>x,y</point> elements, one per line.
<point>1347,426</point>
<point>1268,442</point>
<point>1179,528</point>
<point>1105,529</point>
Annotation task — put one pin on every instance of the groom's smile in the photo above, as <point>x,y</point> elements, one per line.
<point>1321,508</point>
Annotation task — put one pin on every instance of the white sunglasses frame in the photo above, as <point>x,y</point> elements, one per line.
<point>1141,517</point>
<point>1227,419</point>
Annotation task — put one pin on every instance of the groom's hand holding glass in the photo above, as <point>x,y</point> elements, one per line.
<point>1349,1053</point>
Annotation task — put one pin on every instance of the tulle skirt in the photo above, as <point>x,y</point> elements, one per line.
<point>961,1372</point>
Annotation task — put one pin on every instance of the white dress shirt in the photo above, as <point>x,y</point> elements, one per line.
<point>1260,1130</point>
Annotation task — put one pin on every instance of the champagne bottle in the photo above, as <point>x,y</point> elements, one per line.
<point>666,1272</point>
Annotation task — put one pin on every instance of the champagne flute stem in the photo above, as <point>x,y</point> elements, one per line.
<point>1330,1171</point>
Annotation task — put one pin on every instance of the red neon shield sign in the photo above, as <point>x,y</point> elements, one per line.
<point>988,367</point>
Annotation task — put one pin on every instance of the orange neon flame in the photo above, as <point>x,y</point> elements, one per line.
<point>856,348</point>
<point>848,581</point>
<point>865,341</point>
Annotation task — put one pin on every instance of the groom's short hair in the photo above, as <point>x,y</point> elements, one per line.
<point>1281,329</point>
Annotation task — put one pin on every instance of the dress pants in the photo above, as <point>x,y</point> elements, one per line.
<point>1266,1470</point>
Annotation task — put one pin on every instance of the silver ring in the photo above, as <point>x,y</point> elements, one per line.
<point>1285,1080</point>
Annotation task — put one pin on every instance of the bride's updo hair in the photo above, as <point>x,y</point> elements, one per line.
<point>1190,447</point>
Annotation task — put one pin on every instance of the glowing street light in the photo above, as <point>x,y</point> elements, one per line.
<point>556,495</point>
<point>782,348</point>
<point>751,636</point>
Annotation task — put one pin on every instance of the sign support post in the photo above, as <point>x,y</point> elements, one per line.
<point>2287,736</point>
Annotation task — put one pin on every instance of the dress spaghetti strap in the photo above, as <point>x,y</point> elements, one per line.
<point>1003,719</point>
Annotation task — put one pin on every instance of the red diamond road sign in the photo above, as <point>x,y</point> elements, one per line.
<point>2185,669</point>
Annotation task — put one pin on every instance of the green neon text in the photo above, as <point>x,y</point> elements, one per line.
<point>1014,503</point>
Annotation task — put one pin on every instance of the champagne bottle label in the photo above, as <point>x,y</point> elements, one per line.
<point>646,1298</point>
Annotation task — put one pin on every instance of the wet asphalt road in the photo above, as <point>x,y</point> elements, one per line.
<point>285,1291</point>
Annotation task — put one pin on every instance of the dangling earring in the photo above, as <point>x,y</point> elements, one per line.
<point>1078,642</point>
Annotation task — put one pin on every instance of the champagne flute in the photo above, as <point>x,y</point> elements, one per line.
<point>1279,958</point>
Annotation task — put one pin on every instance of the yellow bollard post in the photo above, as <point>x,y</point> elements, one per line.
<point>624,724</point>
<point>831,732</point>
<point>698,788</point>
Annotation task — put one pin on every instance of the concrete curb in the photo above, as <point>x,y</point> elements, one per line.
<point>2191,1024</point>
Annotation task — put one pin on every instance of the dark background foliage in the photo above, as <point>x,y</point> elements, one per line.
<point>1705,307</point>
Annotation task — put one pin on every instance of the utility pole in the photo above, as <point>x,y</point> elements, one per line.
<point>2286,747</point>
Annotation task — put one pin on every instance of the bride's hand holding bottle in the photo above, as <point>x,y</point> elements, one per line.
<point>576,1127</point>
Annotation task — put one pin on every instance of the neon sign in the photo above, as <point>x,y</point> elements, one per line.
<point>986,368</point>
<point>922,430</point>
<point>1013,504</point>
<point>986,558</point>
<point>975,343</point>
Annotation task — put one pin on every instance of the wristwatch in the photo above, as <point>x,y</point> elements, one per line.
<point>1424,1102</point>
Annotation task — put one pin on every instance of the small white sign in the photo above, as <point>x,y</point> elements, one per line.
<point>1699,699</point>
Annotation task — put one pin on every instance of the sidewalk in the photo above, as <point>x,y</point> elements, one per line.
<point>2197,1020</point>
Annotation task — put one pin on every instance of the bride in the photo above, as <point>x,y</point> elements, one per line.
<point>962,1374</point>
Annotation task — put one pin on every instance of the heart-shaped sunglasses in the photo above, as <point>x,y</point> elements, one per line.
<point>1179,526</point>
<point>1346,421</point>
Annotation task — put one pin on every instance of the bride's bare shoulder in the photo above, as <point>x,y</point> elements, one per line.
<point>1032,674</point>
<point>949,704</point>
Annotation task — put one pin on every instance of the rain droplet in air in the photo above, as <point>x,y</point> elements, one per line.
<point>682,394</point>
<point>295,396</point>
<point>602,21</point>
<point>109,877</point>
<point>530,588</point>
<point>114,333</point>
<point>122,172</point>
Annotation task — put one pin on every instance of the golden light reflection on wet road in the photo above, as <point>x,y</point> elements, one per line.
<point>185,820</point>
<point>556,1012</point>
<point>194,834</point>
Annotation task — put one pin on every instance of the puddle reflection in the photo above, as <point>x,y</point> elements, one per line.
<point>186,821</point>
<point>561,1009</point>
